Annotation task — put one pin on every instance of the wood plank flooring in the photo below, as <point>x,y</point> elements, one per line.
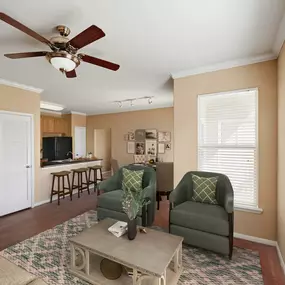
<point>25,224</point>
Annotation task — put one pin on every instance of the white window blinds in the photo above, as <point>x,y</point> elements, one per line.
<point>227,141</point>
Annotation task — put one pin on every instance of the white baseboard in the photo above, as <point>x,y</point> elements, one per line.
<point>282,263</point>
<point>264,241</point>
<point>256,239</point>
<point>91,187</point>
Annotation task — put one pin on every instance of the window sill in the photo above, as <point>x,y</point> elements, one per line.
<point>250,210</point>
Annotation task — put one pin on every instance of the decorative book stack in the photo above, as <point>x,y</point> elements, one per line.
<point>118,229</point>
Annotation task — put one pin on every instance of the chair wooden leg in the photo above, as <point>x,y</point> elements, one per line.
<point>158,198</point>
<point>101,175</point>
<point>78,187</point>
<point>52,189</point>
<point>63,187</point>
<point>89,176</point>
<point>70,189</point>
<point>170,208</point>
<point>95,180</point>
<point>231,235</point>
<point>87,181</point>
<point>58,190</point>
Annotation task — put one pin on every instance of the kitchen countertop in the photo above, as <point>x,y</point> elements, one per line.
<point>68,161</point>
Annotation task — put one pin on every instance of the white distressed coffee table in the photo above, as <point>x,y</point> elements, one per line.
<point>155,257</point>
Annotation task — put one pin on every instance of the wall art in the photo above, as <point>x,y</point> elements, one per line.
<point>164,136</point>
<point>151,147</point>
<point>140,135</point>
<point>140,148</point>
<point>131,147</point>
<point>151,134</point>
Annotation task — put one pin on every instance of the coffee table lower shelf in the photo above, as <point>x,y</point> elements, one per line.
<point>96,277</point>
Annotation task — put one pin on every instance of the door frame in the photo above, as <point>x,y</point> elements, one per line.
<point>32,145</point>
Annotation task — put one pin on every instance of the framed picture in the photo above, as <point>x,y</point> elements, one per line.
<point>151,147</point>
<point>140,135</point>
<point>126,137</point>
<point>131,136</point>
<point>161,148</point>
<point>168,146</point>
<point>140,148</point>
<point>131,147</point>
<point>151,134</point>
<point>164,136</point>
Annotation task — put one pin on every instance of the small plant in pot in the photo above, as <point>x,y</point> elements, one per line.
<point>132,203</point>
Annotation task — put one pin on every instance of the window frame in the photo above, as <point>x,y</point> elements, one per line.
<point>254,209</point>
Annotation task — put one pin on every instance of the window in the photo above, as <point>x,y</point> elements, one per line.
<point>227,141</point>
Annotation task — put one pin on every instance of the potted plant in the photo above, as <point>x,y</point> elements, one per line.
<point>132,203</point>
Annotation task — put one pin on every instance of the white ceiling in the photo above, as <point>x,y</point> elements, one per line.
<point>149,39</point>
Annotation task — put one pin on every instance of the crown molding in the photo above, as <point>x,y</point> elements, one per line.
<point>280,37</point>
<point>21,86</point>
<point>224,65</point>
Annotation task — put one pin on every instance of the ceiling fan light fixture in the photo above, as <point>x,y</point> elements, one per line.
<point>63,61</point>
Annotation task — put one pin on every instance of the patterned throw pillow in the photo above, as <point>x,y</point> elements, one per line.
<point>204,189</point>
<point>132,180</point>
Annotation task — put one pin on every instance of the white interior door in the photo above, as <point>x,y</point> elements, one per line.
<point>102,147</point>
<point>80,141</point>
<point>15,162</point>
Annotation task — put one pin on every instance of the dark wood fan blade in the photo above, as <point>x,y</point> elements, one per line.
<point>26,54</point>
<point>87,37</point>
<point>71,74</point>
<point>99,62</point>
<point>23,28</point>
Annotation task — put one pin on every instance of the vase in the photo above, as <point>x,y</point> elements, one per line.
<point>132,229</point>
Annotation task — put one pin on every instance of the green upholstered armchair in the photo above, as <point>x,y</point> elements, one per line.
<point>110,202</point>
<point>203,225</point>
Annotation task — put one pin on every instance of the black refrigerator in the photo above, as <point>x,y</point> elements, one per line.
<point>57,148</point>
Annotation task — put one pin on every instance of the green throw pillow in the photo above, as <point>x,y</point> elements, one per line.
<point>132,180</point>
<point>204,189</point>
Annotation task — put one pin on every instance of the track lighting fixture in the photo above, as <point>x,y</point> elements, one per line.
<point>131,101</point>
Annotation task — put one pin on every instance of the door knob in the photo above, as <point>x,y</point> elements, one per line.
<point>28,166</point>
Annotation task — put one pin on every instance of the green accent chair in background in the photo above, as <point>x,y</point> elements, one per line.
<point>203,225</point>
<point>110,202</point>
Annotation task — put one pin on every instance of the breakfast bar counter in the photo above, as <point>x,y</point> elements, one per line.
<point>69,161</point>
<point>46,177</point>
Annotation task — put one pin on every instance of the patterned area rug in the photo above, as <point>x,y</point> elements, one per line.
<point>47,255</point>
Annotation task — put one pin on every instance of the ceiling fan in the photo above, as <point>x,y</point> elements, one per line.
<point>64,56</point>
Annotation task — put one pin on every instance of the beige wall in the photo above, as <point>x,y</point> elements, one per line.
<point>122,123</point>
<point>18,100</point>
<point>281,153</point>
<point>261,75</point>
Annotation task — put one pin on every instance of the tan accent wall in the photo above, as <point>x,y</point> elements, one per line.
<point>281,153</point>
<point>122,123</point>
<point>262,75</point>
<point>17,100</point>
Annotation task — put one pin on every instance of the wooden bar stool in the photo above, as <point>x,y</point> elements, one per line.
<point>80,184</point>
<point>95,168</point>
<point>60,191</point>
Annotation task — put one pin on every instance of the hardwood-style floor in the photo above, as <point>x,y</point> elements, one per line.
<point>25,224</point>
